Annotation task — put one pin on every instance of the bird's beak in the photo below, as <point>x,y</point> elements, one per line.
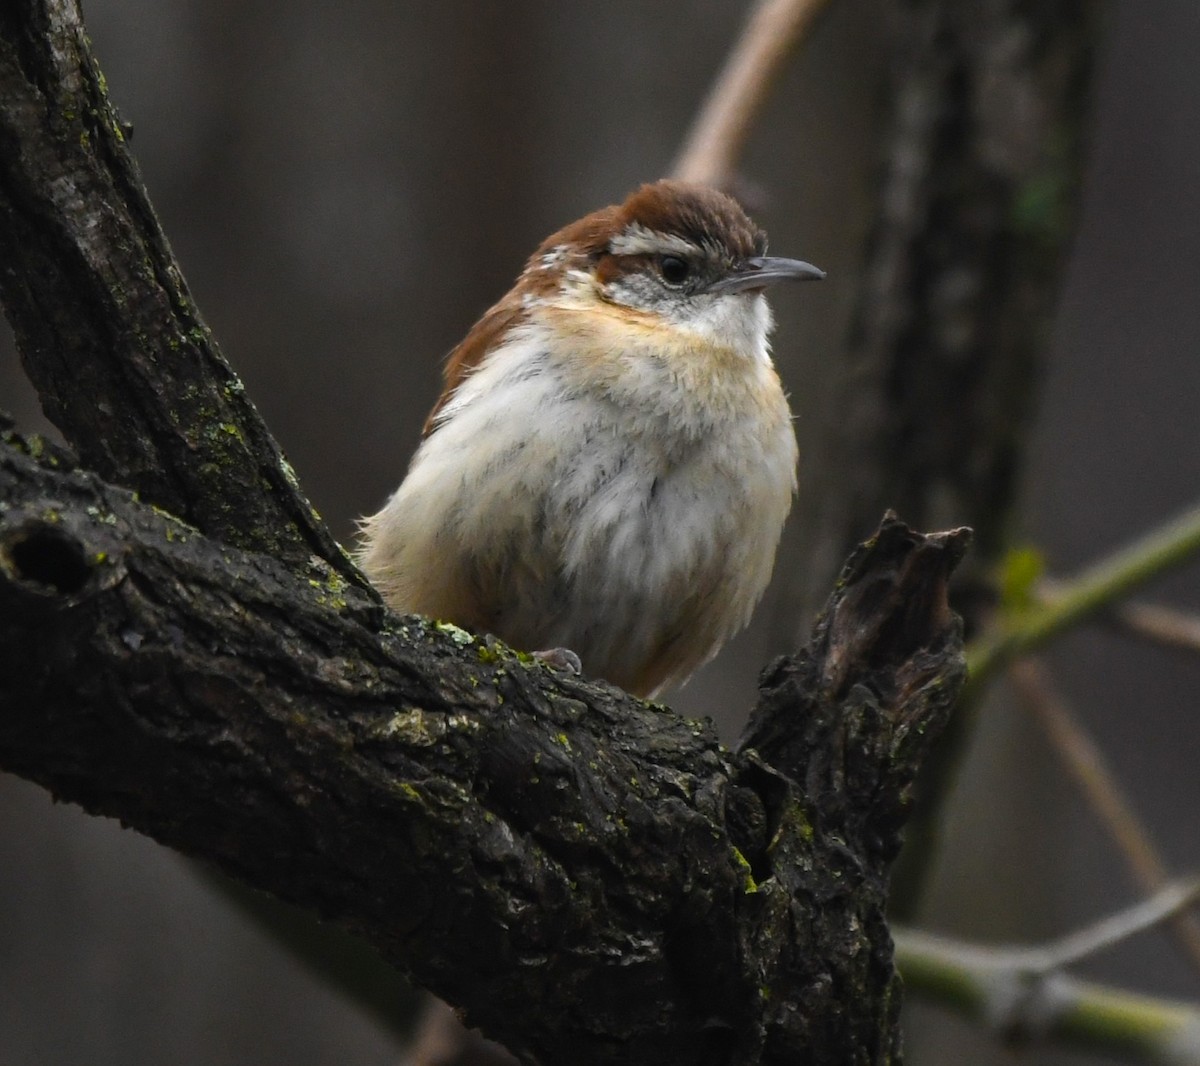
<point>761,271</point>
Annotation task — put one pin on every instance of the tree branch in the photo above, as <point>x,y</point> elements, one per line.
<point>1154,623</point>
<point>982,161</point>
<point>1012,992</point>
<point>591,878</point>
<point>1087,763</point>
<point>104,322</point>
<point>718,136</point>
<point>594,879</point>
<point>983,154</point>
<point>1175,542</point>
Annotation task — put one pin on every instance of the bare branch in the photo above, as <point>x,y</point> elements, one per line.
<point>1021,994</point>
<point>1168,902</point>
<point>1160,625</point>
<point>106,327</point>
<point>1105,583</point>
<point>594,879</point>
<point>718,136</point>
<point>1164,626</point>
<point>591,878</point>
<point>982,157</point>
<point>1083,757</point>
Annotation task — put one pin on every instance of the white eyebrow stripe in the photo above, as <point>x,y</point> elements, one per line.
<point>638,240</point>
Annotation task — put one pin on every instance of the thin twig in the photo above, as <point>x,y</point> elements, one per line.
<point>1153,622</point>
<point>1170,545</point>
<point>718,136</point>
<point>1104,794</point>
<point>1033,962</point>
<point>995,987</point>
<point>1170,902</point>
<point>1162,625</point>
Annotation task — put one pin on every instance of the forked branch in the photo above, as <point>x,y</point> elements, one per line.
<point>592,878</point>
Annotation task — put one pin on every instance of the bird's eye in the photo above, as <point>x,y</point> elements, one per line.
<point>675,271</point>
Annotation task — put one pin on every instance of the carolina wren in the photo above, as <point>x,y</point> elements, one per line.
<point>611,461</point>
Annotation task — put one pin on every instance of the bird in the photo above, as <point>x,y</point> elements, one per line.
<point>611,460</point>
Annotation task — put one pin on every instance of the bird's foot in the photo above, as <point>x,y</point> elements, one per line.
<point>563,659</point>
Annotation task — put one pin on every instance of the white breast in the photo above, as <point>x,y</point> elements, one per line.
<point>625,502</point>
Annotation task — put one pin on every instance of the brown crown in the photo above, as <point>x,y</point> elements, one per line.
<point>696,213</point>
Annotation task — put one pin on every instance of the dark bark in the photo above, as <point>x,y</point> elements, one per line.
<point>106,328</point>
<point>593,879</point>
<point>983,161</point>
<point>982,164</point>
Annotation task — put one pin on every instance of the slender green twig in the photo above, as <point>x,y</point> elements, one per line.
<point>1011,992</point>
<point>1163,549</point>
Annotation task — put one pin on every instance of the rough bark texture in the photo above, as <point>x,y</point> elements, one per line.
<point>105,325</point>
<point>982,166</point>
<point>593,879</point>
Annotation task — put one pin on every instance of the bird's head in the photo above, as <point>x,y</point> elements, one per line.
<point>674,254</point>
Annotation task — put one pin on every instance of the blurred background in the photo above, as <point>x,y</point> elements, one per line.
<point>349,186</point>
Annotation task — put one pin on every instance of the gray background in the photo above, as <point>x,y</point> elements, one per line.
<point>348,186</point>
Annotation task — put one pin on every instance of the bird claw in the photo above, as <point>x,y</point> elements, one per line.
<point>563,659</point>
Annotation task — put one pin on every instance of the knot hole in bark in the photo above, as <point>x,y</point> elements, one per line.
<point>45,558</point>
